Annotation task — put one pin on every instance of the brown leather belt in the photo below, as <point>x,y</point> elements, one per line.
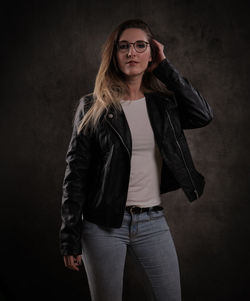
<point>136,209</point>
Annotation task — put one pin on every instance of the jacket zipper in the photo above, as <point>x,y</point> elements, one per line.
<point>120,138</point>
<point>195,190</point>
<point>125,147</point>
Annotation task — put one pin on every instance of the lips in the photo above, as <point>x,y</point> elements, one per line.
<point>132,62</point>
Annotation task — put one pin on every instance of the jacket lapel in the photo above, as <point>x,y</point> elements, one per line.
<point>118,121</point>
<point>156,106</point>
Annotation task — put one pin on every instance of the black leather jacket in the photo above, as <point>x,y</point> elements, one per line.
<point>97,173</point>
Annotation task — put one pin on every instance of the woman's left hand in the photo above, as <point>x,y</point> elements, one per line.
<point>160,56</point>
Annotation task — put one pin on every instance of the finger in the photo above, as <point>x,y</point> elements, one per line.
<point>79,259</point>
<point>157,42</point>
<point>75,267</point>
<point>73,264</point>
<point>69,261</point>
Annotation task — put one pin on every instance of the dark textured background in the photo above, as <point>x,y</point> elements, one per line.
<point>50,55</point>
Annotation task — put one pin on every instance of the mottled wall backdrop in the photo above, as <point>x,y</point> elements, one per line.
<point>50,55</point>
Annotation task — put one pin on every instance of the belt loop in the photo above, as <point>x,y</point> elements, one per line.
<point>150,210</point>
<point>131,209</point>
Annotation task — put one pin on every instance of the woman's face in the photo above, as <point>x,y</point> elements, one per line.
<point>132,35</point>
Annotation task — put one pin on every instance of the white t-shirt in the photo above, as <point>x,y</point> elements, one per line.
<point>146,161</point>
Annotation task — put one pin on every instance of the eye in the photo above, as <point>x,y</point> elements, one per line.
<point>123,45</point>
<point>141,44</point>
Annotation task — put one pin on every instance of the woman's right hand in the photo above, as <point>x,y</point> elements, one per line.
<point>72,262</point>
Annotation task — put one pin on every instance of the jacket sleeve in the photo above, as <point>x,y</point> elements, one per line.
<point>78,158</point>
<point>194,110</point>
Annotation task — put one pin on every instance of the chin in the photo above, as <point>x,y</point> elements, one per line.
<point>134,72</point>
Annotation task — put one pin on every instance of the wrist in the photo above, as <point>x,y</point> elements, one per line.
<point>163,57</point>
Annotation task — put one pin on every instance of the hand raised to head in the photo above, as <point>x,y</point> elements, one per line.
<point>160,56</point>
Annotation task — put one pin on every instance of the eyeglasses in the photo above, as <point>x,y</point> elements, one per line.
<point>139,46</point>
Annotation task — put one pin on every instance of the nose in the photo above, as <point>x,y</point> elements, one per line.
<point>130,49</point>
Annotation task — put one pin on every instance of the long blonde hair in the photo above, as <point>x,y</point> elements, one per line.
<point>110,84</point>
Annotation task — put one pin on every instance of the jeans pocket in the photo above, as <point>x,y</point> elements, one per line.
<point>156,214</point>
<point>158,221</point>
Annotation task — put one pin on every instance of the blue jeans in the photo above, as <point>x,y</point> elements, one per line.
<point>147,237</point>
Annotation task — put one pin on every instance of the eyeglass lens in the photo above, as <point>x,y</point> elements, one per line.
<point>140,46</point>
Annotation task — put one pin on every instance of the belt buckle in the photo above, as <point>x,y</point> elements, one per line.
<point>131,208</point>
<point>136,207</point>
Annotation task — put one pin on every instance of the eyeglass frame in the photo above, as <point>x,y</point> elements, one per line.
<point>147,43</point>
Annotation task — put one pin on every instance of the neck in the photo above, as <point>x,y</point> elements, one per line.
<point>135,90</point>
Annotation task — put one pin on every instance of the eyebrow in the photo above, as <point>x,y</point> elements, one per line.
<point>131,42</point>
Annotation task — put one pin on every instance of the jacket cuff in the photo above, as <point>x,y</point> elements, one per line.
<point>69,251</point>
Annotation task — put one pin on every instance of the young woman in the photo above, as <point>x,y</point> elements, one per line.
<point>127,148</point>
